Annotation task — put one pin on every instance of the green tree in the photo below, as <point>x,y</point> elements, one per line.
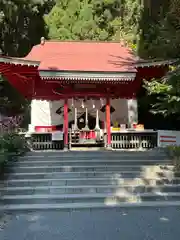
<point>11,102</point>
<point>21,25</point>
<point>166,92</point>
<point>131,12</point>
<point>166,45</point>
<point>160,34</point>
<point>84,20</point>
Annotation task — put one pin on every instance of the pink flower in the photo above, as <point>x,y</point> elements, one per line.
<point>10,124</point>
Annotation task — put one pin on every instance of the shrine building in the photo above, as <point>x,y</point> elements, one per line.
<point>83,93</point>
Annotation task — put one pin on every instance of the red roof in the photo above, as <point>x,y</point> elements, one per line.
<point>83,56</point>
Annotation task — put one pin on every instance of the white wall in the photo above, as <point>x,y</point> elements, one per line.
<point>43,113</point>
<point>40,113</point>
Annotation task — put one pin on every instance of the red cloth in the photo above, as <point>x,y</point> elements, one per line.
<point>45,128</point>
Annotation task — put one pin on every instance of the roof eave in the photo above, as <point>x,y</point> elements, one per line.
<point>99,76</point>
<point>18,61</point>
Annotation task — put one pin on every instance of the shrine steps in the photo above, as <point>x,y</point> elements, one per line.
<point>144,191</point>
<point>91,152</point>
<point>89,169</point>
<point>89,180</point>
<point>81,206</point>
<point>95,155</point>
<point>101,182</point>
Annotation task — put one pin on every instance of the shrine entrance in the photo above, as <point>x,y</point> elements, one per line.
<point>87,129</point>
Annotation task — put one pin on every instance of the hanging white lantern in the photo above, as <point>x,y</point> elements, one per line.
<point>82,105</point>
<point>93,105</point>
<point>75,119</point>
<point>97,127</point>
<point>81,120</point>
<point>102,102</point>
<point>86,128</point>
<point>72,103</point>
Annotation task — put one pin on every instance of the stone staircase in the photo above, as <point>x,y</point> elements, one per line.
<point>67,180</point>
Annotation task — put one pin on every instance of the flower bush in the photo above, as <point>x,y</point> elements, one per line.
<point>11,143</point>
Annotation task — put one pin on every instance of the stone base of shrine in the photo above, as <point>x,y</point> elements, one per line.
<point>129,139</point>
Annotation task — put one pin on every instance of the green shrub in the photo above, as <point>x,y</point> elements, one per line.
<point>10,144</point>
<point>3,161</point>
<point>174,153</point>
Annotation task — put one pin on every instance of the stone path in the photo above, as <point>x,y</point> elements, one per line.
<point>109,224</point>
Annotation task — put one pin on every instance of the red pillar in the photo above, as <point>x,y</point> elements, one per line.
<point>108,122</point>
<point>66,123</point>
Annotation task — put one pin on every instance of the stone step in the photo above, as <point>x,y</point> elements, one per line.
<point>91,197</point>
<point>82,168</point>
<point>98,153</point>
<point>39,175</point>
<point>57,181</point>
<point>87,205</point>
<point>93,162</point>
<point>85,156</point>
<point>135,189</point>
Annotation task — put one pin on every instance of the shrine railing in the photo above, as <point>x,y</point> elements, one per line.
<point>44,141</point>
<point>145,139</point>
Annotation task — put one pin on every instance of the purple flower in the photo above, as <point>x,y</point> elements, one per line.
<point>10,124</point>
